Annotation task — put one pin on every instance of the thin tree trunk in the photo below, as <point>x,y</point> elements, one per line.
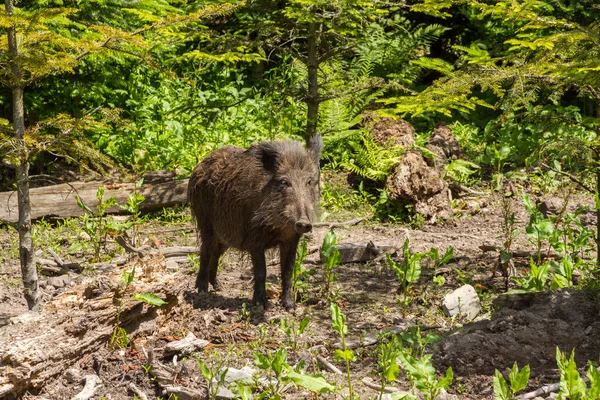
<point>597,189</point>
<point>312,98</point>
<point>28,269</point>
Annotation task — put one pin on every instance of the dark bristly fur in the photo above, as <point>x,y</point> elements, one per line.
<point>253,200</point>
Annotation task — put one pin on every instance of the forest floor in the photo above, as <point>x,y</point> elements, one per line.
<point>525,329</point>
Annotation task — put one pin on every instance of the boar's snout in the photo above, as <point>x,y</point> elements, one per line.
<point>303,226</point>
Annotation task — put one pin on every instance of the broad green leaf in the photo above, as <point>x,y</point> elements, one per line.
<point>127,277</point>
<point>261,361</point>
<point>206,373</point>
<point>149,298</point>
<point>303,325</point>
<point>519,379</point>
<point>338,319</point>
<point>594,377</point>
<point>501,391</point>
<point>314,383</point>
<point>279,360</point>
<point>447,255</point>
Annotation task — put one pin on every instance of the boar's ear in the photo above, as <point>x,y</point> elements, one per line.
<point>269,156</point>
<point>314,148</point>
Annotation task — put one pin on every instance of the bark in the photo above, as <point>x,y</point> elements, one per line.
<point>597,188</point>
<point>28,270</point>
<point>312,98</point>
<point>59,200</point>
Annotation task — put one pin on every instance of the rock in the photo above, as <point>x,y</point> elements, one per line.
<point>234,374</point>
<point>60,281</point>
<point>224,394</point>
<point>550,207</point>
<point>172,266</point>
<point>413,181</point>
<point>389,131</point>
<point>442,139</point>
<point>85,236</point>
<point>445,395</point>
<point>185,346</point>
<point>552,396</point>
<point>462,302</point>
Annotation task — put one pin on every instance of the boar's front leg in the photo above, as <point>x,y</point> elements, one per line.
<point>259,265</point>
<point>210,252</point>
<point>287,252</point>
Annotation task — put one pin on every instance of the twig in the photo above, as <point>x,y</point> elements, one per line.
<point>137,391</point>
<point>57,258</point>
<point>89,389</point>
<point>463,188</point>
<point>329,366</point>
<point>544,390</point>
<point>573,178</point>
<point>339,224</point>
<point>368,382</point>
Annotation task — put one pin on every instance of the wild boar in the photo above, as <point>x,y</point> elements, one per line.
<point>253,200</point>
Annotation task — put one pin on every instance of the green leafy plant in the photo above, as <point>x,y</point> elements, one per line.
<point>408,272</point>
<point>134,201</point>
<point>572,385</point>
<point>517,381</point>
<point>96,224</point>
<point>281,373</point>
<point>387,361</point>
<point>421,373</point>
<point>332,257</point>
<point>338,320</point>
<point>215,377</point>
<point>300,274</point>
<point>462,171</point>
<point>119,337</point>
<point>293,332</point>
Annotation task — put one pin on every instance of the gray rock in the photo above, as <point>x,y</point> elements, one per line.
<point>234,374</point>
<point>445,395</point>
<point>462,302</point>
<point>59,281</point>
<point>172,265</point>
<point>224,394</point>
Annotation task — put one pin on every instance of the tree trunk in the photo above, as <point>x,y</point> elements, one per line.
<point>28,269</point>
<point>312,98</point>
<point>597,189</point>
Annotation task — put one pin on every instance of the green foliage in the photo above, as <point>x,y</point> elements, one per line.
<point>517,381</point>
<point>572,385</point>
<point>293,332</point>
<point>332,257</point>
<point>408,272</point>
<point>300,275</point>
<point>276,366</point>
<point>149,298</point>
<point>421,373</point>
<point>338,321</point>
<point>215,376</point>
<point>96,224</point>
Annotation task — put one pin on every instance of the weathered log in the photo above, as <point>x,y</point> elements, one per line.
<point>362,252</point>
<point>35,348</point>
<point>59,200</point>
<point>187,345</point>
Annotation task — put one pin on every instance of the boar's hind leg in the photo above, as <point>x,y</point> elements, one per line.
<point>260,277</point>
<point>288,257</point>
<point>217,251</point>
<point>210,252</point>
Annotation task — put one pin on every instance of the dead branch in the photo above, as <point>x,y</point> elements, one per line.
<point>368,382</point>
<point>328,366</point>
<point>339,224</point>
<point>185,346</point>
<point>91,384</point>
<point>137,391</point>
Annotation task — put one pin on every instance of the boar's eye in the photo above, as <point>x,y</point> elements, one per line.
<point>310,182</point>
<point>284,182</point>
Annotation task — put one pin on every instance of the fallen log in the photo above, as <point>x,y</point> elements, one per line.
<point>38,347</point>
<point>59,200</point>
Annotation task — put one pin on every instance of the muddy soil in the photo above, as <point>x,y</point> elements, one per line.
<point>522,328</point>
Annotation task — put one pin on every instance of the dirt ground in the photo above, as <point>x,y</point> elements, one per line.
<point>522,328</point>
